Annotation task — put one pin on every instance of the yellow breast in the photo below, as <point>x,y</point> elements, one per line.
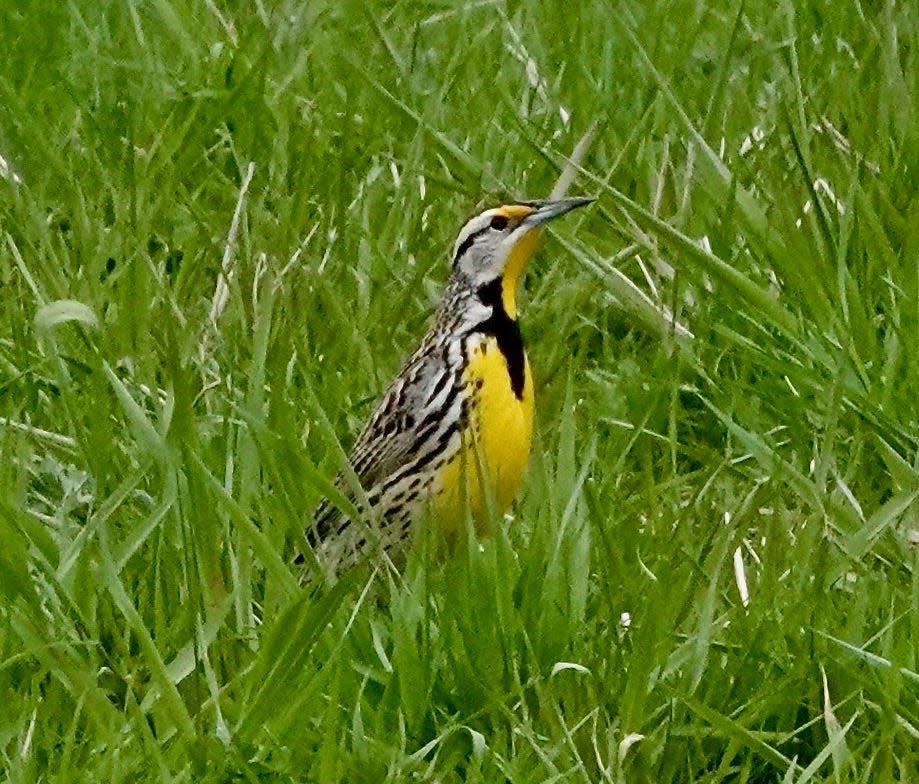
<point>488,469</point>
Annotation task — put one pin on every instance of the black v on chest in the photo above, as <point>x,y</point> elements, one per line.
<point>506,332</point>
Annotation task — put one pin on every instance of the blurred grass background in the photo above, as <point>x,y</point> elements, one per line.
<point>711,574</point>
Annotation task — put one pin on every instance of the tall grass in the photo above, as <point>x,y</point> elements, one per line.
<point>221,229</point>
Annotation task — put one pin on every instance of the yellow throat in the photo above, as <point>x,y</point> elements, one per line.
<point>487,472</point>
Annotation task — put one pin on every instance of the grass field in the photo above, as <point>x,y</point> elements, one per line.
<point>712,573</point>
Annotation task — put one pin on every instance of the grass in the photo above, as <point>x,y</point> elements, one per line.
<point>711,574</point>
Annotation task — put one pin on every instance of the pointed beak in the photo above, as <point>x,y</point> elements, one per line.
<point>548,209</point>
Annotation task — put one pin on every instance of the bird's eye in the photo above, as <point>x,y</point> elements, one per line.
<point>499,223</point>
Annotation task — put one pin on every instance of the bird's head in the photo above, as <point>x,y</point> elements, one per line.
<point>496,245</point>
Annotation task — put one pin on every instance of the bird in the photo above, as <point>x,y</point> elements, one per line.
<point>451,435</point>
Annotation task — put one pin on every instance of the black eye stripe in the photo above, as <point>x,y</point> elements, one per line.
<point>498,223</point>
<point>467,244</point>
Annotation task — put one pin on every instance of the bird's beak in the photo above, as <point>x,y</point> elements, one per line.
<point>548,209</point>
<point>526,237</point>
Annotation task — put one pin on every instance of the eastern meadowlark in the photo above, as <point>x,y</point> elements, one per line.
<point>452,432</point>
